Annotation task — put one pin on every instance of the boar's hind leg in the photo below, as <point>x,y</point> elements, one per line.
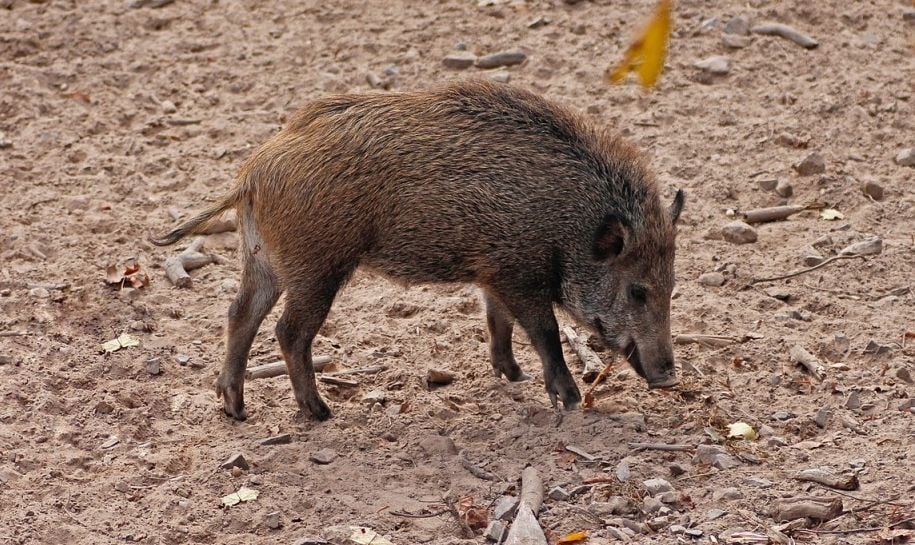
<point>256,296</point>
<point>535,314</point>
<point>307,303</point>
<point>500,324</point>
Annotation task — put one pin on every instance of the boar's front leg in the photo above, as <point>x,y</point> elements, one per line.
<point>535,314</point>
<point>500,323</point>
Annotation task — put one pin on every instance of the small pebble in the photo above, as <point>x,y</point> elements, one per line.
<point>495,531</point>
<point>503,58</point>
<point>272,520</point>
<point>39,293</point>
<point>738,232</point>
<point>651,504</point>
<point>739,25</point>
<point>768,184</point>
<point>505,507</point>
<point>439,377</point>
<point>716,64</point>
<point>853,401</point>
<point>281,439</point>
<point>235,460</point>
<point>712,279</point>
<point>821,417</point>
<point>169,107</point>
<point>657,486</point>
<point>677,469</point>
<point>810,165</point>
<point>868,246</point>
<point>152,366</point>
<point>500,76</point>
<point>559,493</point>
<point>713,514</point>
<point>375,396</point>
<point>727,494</point>
<point>906,157</point>
<point>904,375</point>
<point>438,445</point>
<point>622,471</point>
<point>459,61</point>
<point>323,456</point>
<point>784,189</point>
<point>734,41</point>
<point>872,189</point>
<point>182,359</point>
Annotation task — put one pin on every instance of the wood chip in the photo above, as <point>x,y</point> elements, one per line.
<point>817,509</point>
<point>804,358</point>
<point>278,368</point>
<point>592,362</point>
<point>787,32</point>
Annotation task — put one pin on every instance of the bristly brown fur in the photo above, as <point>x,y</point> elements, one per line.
<point>468,182</point>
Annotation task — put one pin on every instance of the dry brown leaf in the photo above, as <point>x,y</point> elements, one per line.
<point>474,516</point>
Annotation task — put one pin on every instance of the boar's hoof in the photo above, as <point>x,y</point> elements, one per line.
<point>233,403</point>
<point>669,382</point>
<point>316,409</point>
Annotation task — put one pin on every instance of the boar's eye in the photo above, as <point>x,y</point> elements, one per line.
<point>638,294</point>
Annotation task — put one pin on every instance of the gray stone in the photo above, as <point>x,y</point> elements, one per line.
<point>768,184</point>
<point>152,366</point>
<point>810,165</point>
<point>868,246</point>
<point>281,439</point>
<point>739,25</point>
<point>776,441</point>
<point>733,41</point>
<point>705,454</point>
<point>781,416</point>
<point>906,157</point>
<point>375,396</point>
<point>272,520</point>
<point>495,531</point>
<point>715,64</point>
<point>615,505</point>
<point>693,532</point>
<point>657,486</point>
<point>784,189</point>
<point>500,76</point>
<point>505,508</point>
<point>677,529</point>
<point>738,232</point>
<point>677,469</point>
<point>459,61</point>
<point>727,494</point>
<point>182,359</point>
<point>559,493</point>
<point>712,279</point>
<point>853,401</point>
<point>713,514</point>
<point>503,58</point>
<point>903,374</point>
<point>872,189</point>
<point>617,534</point>
<point>39,293</point>
<point>622,471</point>
<point>168,106</point>
<point>235,460</point>
<point>323,456</point>
<point>651,504</point>
<point>671,496</point>
<point>725,461</point>
<point>821,417</point>
<point>438,445</point>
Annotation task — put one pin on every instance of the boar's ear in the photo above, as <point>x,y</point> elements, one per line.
<point>677,206</point>
<point>610,238</point>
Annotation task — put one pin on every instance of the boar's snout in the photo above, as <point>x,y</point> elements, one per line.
<point>659,371</point>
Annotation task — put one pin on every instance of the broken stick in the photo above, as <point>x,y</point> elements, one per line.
<point>825,478</point>
<point>588,357</point>
<point>818,509</point>
<point>662,447</point>
<point>785,31</point>
<point>525,529</point>
<point>532,488</point>
<point>808,361</point>
<point>191,258</point>
<point>278,368</point>
<point>705,340</point>
<point>805,271</point>
<point>773,213</point>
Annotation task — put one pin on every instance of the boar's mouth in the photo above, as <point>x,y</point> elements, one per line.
<point>631,351</point>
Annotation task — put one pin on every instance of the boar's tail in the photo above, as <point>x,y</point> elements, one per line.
<point>200,222</point>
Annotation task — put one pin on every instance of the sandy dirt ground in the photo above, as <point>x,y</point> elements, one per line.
<point>112,117</point>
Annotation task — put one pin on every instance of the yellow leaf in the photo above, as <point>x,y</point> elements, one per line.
<point>741,430</point>
<point>243,494</point>
<point>123,341</point>
<point>645,56</point>
<point>574,537</point>
<point>830,214</point>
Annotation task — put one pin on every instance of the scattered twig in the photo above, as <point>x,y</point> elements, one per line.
<point>825,478</point>
<point>592,362</point>
<point>807,270</point>
<point>581,452</point>
<point>48,286</point>
<point>589,394</point>
<point>477,471</point>
<point>278,368</point>
<point>773,213</point>
<point>804,358</point>
<point>787,32</point>
<point>860,530</point>
<point>872,502</point>
<point>192,257</point>
<point>329,379</point>
<point>373,370</point>
<point>13,333</point>
<point>705,340</point>
<point>661,446</point>
<point>419,515</point>
<point>698,475</point>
